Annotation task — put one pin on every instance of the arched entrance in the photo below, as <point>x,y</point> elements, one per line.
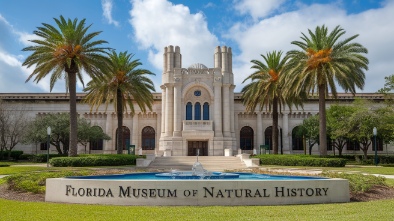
<point>246,138</point>
<point>96,144</point>
<point>126,137</point>
<point>148,138</point>
<point>296,139</point>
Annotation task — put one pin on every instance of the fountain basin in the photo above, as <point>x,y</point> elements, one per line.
<point>149,189</point>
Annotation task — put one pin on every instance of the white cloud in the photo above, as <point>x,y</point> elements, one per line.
<point>107,12</point>
<point>257,9</point>
<point>12,74</point>
<point>277,33</point>
<point>172,25</point>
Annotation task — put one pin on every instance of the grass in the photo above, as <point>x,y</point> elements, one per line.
<point>15,210</point>
<point>22,169</point>
<point>375,210</point>
<point>361,169</point>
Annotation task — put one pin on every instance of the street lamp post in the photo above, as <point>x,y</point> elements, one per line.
<point>48,144</point>
<point>375,132</point>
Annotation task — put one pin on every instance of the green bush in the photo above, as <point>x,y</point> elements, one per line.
<point>358,182</point>
<point>15,154</point>
<point>26,157</point>
<point>94,160</point>
<point>301,160</point>
<point>385,159</point>
<point>42,158</point>
<point>35,182</point>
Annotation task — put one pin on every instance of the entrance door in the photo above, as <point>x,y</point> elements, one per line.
<point>201,146</point>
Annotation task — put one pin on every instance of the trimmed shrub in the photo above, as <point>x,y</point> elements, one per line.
<point>94,160</point>
<point>358,182</point>
<point>301,160</point>
<point>42,158</point>
<point>35,182</point>
<point>385,159</point>
<point>26,157</point>
<point>15,154</point>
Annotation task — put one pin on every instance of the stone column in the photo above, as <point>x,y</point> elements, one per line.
<point>226,110</point>
<point>237,131</point>
<point>109,144</point>
<point>218,110</point>
<point>177,110</point>
<point>259,132</point>
<point>232,111</point>
<point>158,131</point>
<point>169,118</point>
<point>163,107</point>
<point>135,138</point>
<point>285,131</point>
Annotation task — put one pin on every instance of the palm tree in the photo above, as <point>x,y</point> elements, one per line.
<point>266,89</point>
<point>122,84</point>
<point>323,63</point>
<point>65,52</point>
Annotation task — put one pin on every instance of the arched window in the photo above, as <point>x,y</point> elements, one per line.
<point>246,138</point>
<point>148,138</point>
<point>268,136</point>
<point>205,111</point>
<point>197,111</point>
<point>126,137</point>
<point>96,144</point>
<point>189,109</point>
<point>296,139</point>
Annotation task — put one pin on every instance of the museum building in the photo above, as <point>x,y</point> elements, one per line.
<point>196,111</point>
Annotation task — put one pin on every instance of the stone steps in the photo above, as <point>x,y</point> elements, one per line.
<point>212,163</point>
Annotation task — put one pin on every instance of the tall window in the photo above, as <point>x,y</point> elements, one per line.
<point>246,138</point>
<point>189,109</point>
<point>379,144</point>
<point>148,138</point>
<point>96,144</point>
<point>205,111</point>
<point>126,137</point>
<point>44,146</point>
<point>197,111</point>
<point>352,145</point>
<point>296,139</point>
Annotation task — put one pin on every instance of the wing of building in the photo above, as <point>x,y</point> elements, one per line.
<point>197,110</point>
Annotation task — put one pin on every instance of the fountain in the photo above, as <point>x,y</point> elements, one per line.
<point>197,172</point>
<point>196,187</point>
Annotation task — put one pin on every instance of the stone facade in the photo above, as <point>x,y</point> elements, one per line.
<point>196,111</point>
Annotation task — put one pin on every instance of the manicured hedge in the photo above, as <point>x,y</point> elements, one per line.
<point>42,158</point>
<point>94,160</point>
<point>15,154</point>
<point>384,159</point>
<point>300,160</point>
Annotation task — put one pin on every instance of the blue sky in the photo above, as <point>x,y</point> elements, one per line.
<point>145,27</point>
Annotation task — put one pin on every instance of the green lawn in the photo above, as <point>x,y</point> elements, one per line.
<point>352,168</point>
<point>376,210</point>
<point>22,169</point>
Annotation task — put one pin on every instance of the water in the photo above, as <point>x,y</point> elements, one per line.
<point>153,176</point>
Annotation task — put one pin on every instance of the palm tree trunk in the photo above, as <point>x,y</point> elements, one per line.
<point>119,113</point>
<point>322,121</point>
<point>72,87</point>
<point>275,119</point>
